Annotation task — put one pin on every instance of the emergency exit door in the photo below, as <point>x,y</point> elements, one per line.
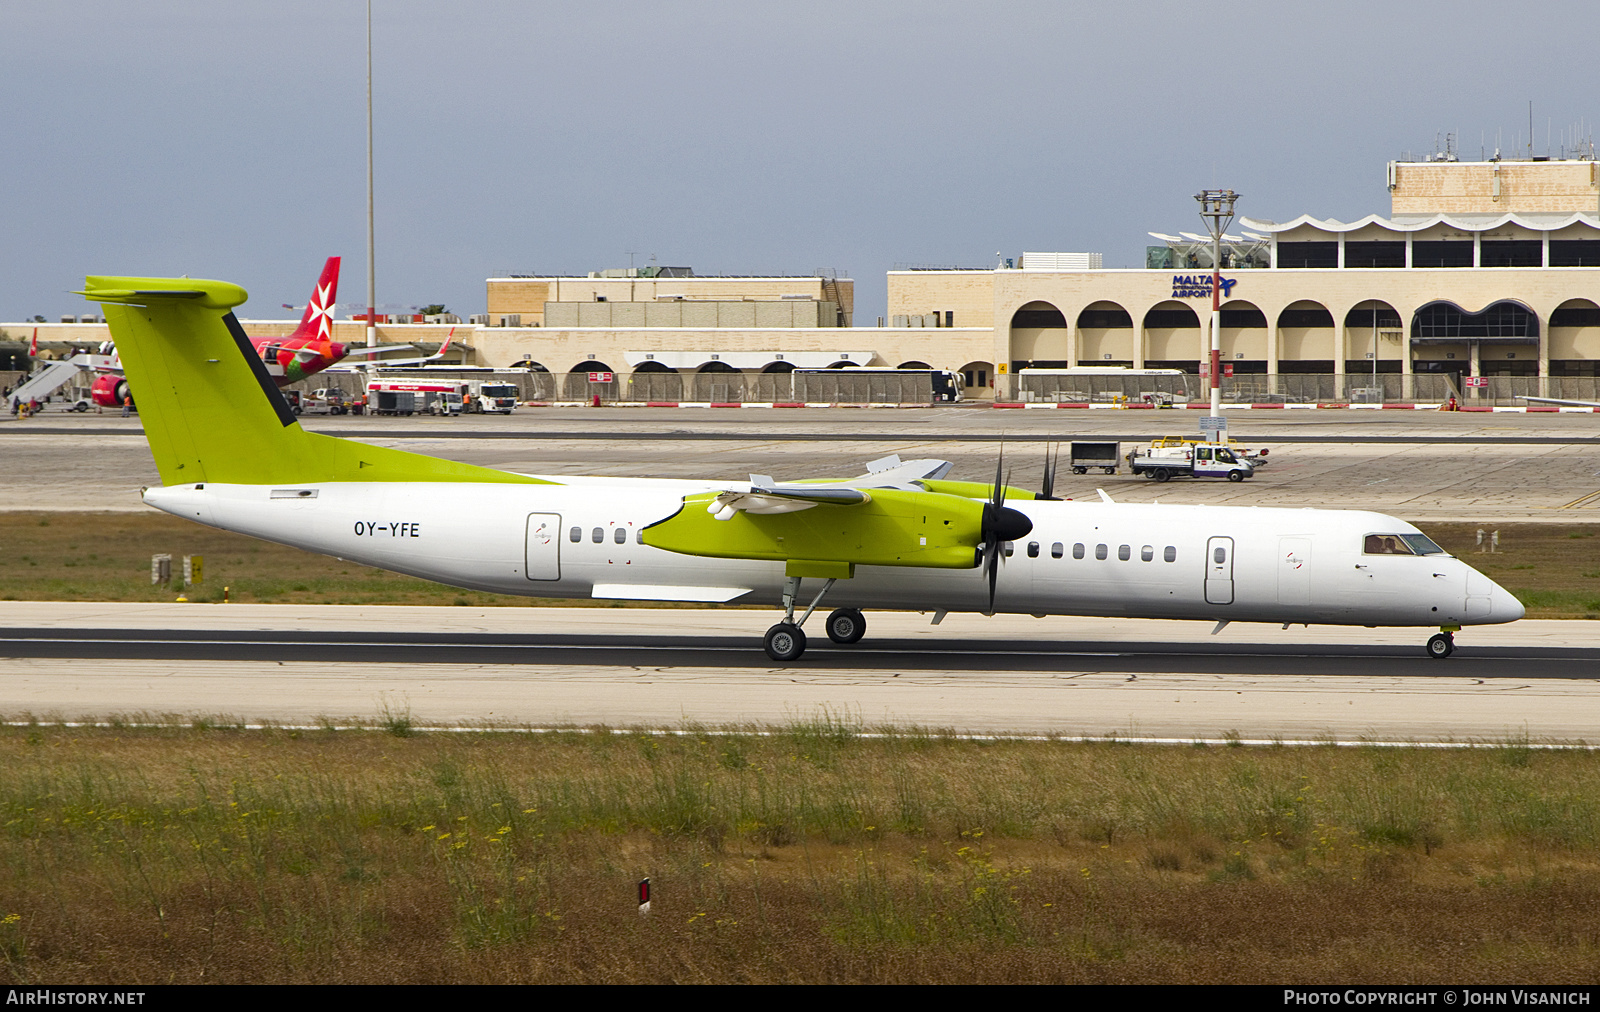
<point>1219,571</point>
<point>543,552</point>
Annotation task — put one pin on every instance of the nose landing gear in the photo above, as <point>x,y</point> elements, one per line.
<point>1442,644</point>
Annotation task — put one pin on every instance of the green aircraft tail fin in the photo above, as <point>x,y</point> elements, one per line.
<point>210,409</point>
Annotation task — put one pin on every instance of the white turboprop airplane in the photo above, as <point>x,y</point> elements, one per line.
<point>231,455</point>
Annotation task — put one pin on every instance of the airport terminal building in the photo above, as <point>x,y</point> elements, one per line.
<point>1481,269</point>
<point>1485,271</point>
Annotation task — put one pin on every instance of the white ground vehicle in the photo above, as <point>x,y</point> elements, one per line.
<point>493,398</point>
<point>1182,458</point>
<point>326,401</point>
<point>447,402</point>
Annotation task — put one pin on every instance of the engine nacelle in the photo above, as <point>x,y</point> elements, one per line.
<point>110,390</point>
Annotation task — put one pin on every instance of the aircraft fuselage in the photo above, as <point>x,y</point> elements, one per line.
<point>582,539</point>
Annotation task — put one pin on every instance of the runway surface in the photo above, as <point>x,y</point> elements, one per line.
<point>663,668</point>
<point>1420,466</point>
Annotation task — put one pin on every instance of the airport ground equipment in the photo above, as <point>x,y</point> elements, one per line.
<point>1173,458</point>
<point>491,398</point>
<point>1105,456</point>
<point>52,376</point>
<point>326,401</point>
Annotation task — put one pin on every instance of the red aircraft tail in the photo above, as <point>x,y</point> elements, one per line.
<point>317,323</point>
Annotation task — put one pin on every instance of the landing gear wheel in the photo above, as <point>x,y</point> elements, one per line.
<point>1236,476</point>
<point>846,625</point>
<point>785,642</point>
<point>1161,474</point>
<point>1441,645</point>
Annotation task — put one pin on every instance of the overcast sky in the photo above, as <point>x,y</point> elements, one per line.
<point>227,140</point>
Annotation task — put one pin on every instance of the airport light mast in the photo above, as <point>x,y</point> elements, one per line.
<point>372,274</point>
<point>1216,207</point>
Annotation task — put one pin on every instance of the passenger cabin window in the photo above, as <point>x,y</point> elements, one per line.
<point>1170,554</point>
<point>1124,553</point>
<point>577,534</point>
<point>620,535</point>
<point>599,534</point>
<point>1057,550</point>
<point>1400,544</point>
<point>1147,553</point>
<point>1033,549</point>
<point>1100,552</point>
<point>1011,548</point>
<point>1077,550</point>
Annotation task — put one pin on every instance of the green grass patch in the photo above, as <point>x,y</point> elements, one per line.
<point>1537,562</point>
<point>200,852</point>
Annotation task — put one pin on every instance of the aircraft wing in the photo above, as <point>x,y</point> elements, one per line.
<point>771,501</point>
<point>768,496</point>
<point>1565,404</point>
<point>436,356</point>
<point>350,352</point>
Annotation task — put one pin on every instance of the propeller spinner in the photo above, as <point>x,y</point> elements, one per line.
<point>999,525</point>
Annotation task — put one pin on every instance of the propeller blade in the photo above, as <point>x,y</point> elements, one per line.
<point>991,561</point>
<point>1048,488</point>
<point>997,494</point>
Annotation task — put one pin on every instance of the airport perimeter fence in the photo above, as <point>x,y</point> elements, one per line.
<point>1284,388</point>
<point>832,387</point>
<point>839,387</point>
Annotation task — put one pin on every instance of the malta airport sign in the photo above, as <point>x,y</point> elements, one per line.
<point>1198,286</point>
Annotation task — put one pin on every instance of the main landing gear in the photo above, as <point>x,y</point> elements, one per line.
<point>1441,645</point>
<point>786,641</point>
<point>846,625</point>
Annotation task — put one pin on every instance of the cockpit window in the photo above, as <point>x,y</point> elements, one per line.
<point>1422,544</point>
<point>1400,544</point>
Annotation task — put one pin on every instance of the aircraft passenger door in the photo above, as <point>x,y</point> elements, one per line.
<point>1294,571</point>
<point>544,546</point>
<point>1219,571</point>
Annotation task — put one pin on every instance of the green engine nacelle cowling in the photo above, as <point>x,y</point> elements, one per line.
<point>893,528</point>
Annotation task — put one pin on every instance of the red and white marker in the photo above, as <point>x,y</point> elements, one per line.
<point>644,897</point>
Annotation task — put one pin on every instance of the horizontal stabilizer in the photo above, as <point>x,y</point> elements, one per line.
<point>144,291</point>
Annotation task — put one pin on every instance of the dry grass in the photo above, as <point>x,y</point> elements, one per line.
<point>210,854</point>
<point>106,557</point>
<point>1554,569</point>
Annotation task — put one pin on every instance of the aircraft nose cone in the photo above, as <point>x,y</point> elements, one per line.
<point>1504,606</point>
